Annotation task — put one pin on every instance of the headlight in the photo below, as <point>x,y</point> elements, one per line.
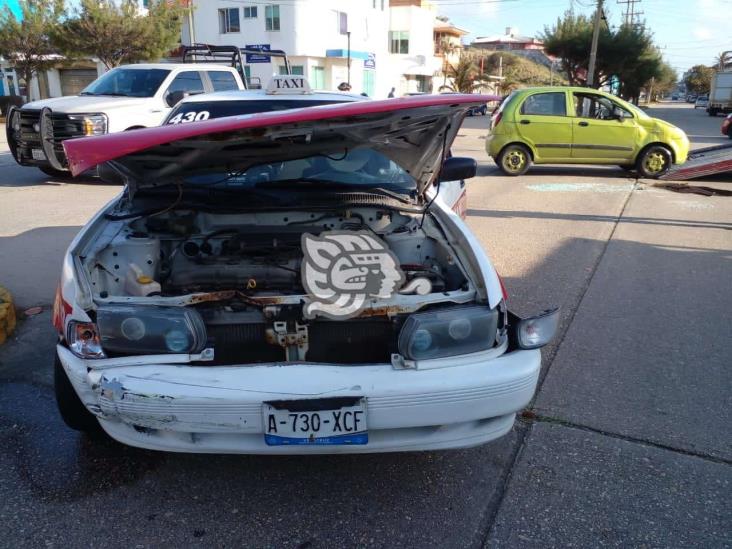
<point>92,124</point>
<point>537,331</point>
<point>131,329</point>
<point>83,340</point>
<point>448,332</point>
<point>15,120</point>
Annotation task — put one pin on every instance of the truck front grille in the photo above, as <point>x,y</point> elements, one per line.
<point>29,123</point>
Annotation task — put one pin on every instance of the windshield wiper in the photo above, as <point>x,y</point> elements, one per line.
<point>87,93</point>
<point>329,184</point>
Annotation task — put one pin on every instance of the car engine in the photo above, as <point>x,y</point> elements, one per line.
<point>242,273</point>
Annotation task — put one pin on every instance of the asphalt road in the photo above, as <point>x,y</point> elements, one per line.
<point>627,443</point>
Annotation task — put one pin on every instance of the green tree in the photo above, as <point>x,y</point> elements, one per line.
<point>570,40</point>
<point>26,42</point>
<point>627,53</point>
<point>118,33</point>
<point>666,82</point>
<point>699,78</point>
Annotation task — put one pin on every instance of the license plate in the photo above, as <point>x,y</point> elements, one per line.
<point>315,422</point>
<point>37,154</point>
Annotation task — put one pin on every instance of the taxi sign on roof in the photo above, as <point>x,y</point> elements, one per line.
<point>288,84</point>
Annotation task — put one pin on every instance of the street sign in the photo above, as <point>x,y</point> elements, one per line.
<point>256,58</point>
<point>370,62</point>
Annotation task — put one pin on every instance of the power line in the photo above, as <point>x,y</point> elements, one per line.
<point>630,13</point>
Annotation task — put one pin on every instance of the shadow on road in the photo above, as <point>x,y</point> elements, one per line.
<point>510,214</point>
<point>30,263</point>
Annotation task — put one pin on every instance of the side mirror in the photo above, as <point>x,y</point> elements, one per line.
<point>457,168</point>
<point>175,97</point>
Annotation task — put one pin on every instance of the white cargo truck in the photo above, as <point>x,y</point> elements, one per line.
<point>720,95</point>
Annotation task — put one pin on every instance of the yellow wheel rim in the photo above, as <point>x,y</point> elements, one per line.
<point>654,162</point>
<point>514,160</point>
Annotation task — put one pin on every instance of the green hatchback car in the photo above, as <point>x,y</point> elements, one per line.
<point>566,125</point>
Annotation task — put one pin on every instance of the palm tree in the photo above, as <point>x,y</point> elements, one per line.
<point>723,59</point>
<point>466,76</point>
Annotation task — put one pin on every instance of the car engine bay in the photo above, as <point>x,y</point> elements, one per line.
<point>242,273</point>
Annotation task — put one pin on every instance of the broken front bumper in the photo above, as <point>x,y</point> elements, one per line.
<point>218,409</point>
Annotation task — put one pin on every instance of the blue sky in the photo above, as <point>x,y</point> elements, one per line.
<point>690,32</point>
<point>13,6</point>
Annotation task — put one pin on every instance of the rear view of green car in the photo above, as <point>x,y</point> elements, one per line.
<point>566,125</point>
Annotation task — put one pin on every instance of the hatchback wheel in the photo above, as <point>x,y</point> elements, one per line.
<point>72,411</point>
<point>653,162</point>
<point>514,159</point>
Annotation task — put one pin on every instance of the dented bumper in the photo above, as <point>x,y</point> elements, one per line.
<point>218,409</point>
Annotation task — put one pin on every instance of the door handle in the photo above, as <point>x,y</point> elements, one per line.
<point>583,124</point>
<point>526,121</point>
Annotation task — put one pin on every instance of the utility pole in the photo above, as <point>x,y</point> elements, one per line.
<point>593,50</point>
<point>630,13</point>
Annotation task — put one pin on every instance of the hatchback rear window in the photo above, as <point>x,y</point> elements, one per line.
<point>547,104</point>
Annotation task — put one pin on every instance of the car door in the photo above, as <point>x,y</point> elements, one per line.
<point>184,83</point>
<point>602,130</point>
<point>542,123</point>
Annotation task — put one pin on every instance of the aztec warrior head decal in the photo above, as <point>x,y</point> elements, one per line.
<point>343,269</point>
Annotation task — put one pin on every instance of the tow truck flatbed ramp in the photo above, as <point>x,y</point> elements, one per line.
<point>702,162</point>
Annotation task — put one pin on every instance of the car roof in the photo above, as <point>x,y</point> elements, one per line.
<point>254,95</point>
<point>561,88</point>
<point>171,66</point>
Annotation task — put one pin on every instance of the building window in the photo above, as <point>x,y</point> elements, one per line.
<point>398,41</point>
<point>298,70</point>
<point>272,18</point>
<point>229,20</point>
<point>250,12</point>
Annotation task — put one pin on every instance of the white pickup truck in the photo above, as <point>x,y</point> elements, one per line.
<point>125,98</point>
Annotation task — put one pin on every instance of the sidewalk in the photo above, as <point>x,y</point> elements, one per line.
<point>632,444</point>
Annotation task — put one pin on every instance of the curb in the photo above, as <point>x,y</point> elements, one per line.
<point>7,315</point>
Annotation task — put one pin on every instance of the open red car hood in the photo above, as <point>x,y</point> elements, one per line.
<point>409,131</point>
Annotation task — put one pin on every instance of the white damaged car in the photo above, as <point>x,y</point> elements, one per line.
<point>290,283</point>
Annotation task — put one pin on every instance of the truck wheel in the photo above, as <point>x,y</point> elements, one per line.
<point>514,159</point>
<point>53,172</point>
<point>72,411</point>
<point>712,112</point>
<point>653,162</point>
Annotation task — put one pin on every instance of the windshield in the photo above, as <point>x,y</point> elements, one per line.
<point>351,169</point>
<point>203,110</point>
<point>128,83</point>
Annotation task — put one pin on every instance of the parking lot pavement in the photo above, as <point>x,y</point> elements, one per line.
<point>582,238</point>
<point>575,488</point>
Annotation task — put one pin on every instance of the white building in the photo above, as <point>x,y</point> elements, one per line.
<point>314,33</point>
<point>413,63</point>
